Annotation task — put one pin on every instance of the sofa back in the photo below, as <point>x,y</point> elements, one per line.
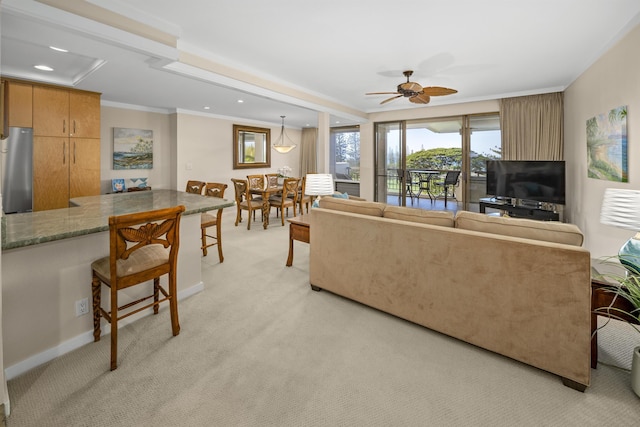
<point>548,231</point>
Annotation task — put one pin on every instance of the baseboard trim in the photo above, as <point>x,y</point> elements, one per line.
<point>82,339</point>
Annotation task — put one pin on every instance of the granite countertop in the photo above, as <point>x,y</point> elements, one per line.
<point>91,215</point>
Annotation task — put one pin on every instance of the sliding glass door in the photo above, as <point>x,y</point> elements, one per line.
<point>415,159</point>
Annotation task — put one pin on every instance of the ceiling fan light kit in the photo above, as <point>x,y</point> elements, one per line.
<point>415,92</point>
<point>281,145</point>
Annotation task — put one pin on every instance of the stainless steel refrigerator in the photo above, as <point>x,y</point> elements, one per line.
<point>17,164</point>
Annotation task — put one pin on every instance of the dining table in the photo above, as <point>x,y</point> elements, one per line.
<point>265,193</point>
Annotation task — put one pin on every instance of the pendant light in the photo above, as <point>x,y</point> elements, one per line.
<point>283,144</point>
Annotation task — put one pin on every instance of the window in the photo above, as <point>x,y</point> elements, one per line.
<point>345,153</point>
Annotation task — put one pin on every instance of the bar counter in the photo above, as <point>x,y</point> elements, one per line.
<point>46,270</point>
<point>91,215</point>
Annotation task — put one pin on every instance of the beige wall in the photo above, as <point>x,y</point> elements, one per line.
<point>612,81</point>
<point>204,148</point>
<point>110,117</point>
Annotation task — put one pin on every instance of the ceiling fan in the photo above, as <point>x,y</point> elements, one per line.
<point>416,93</point>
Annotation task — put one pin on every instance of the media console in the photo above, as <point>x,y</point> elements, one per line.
<point>518,211</point>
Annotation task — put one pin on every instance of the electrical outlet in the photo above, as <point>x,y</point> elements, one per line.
<point>82,306</point>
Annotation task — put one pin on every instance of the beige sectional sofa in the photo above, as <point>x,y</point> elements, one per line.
<point>517,287</point>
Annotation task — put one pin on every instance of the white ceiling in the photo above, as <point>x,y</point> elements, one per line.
<point>336,50</point>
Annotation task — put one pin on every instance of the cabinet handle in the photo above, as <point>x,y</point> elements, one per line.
<point>64,126</point>
<point>74,152</point>
<point>64,153</point>
<point>74,128</point>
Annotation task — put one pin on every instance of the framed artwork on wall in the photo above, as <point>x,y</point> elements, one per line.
<point>132,148</point>
<point>607,146</point>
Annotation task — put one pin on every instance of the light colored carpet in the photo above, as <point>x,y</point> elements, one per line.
<point>259,348</point>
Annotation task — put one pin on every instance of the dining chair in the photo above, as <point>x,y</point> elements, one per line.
<point>142,246</point>
<point>272,179</point>
<point>450,180</point>
<point>411,183</point>
<point>303,199</point>
<point>195,187</point>
<point>288,198</point>
<point>244,201</point>
<point>207,220</point>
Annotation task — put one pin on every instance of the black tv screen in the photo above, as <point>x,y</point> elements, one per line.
<point>537,180</point>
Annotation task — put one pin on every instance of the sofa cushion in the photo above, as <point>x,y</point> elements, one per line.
<point>549,231</point>
<point>353,206</point>
<point>442,218</point>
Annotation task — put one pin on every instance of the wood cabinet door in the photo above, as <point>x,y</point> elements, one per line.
<point>84,167</point>
<point>84,114</point>
<point>50,111</point>
<point>50,173</point>
<point>20,104</point>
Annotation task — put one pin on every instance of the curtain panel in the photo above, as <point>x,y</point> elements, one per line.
<point>308,156</point>
<point>532,127</point>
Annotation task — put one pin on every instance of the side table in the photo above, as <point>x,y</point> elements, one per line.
<point>298,230</point>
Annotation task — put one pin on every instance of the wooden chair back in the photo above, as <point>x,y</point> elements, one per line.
<point>195,187</point>
<point>256,181</point>
<point>272,180</point>
<point>215,189</point>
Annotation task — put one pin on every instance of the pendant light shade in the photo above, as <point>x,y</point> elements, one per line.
<point>283,144</point>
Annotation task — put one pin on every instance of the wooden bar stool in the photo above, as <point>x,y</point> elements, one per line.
<point>212,189</point>
<point>143,246</point>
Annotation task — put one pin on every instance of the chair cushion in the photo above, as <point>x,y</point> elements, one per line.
<point>548,231</point>
<point>208,220</point>
<point>442,218</point>
<point>143,259</point>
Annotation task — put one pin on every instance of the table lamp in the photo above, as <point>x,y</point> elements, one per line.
<point>621,208</point>
<point>318,184</point>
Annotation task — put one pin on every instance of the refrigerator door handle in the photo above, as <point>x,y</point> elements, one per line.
<point>64,153</point>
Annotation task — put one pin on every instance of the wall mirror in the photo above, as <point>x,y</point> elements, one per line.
<point>251,147</point>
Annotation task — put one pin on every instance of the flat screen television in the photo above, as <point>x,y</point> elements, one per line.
<point>535,180</point>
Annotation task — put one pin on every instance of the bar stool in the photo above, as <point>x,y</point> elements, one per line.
<point>143,246</point>
<point>212,189</point>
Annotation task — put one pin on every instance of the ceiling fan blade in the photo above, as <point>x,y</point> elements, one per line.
<point>381,93</point>
<point>421,98</point>
<point>438,91</point>
<point>390,99</point>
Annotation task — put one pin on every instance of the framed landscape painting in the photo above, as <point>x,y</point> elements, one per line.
<point>607,146</point>
<point>132,148</point>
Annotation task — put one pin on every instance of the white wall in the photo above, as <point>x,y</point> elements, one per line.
<point>612,81</point>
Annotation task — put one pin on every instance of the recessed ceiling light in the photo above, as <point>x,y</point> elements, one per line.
<point>240,101</point>
<point>59,49</point>
<point>43,67</point>
<point>206,107</point>
<point>337,122</point>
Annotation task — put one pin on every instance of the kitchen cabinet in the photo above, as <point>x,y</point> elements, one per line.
<point>20,104</point>
<point>64,168</point>
<point>66,160</point>
<point>64,112</point>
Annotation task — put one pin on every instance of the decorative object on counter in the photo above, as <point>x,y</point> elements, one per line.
<point>283,144</point>
<point>137,183</point>
<point>132,148</point>
<point>118,185</point>
<point>621,208</point>
<point>318,184</point>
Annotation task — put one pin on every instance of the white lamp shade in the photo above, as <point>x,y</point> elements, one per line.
<point>318,184</point>
<point>621,208</point>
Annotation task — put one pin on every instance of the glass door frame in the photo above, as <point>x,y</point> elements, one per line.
<point>381,175</point>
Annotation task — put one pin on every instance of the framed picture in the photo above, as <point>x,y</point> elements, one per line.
<point>132,148</point>
<point>117,185</point>
<point>607,146</point>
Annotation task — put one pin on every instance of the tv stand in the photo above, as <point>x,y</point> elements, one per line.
<point>518,211</point>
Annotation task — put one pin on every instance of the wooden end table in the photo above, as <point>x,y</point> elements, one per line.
<point>298,230</point>
<point>603,297</point>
